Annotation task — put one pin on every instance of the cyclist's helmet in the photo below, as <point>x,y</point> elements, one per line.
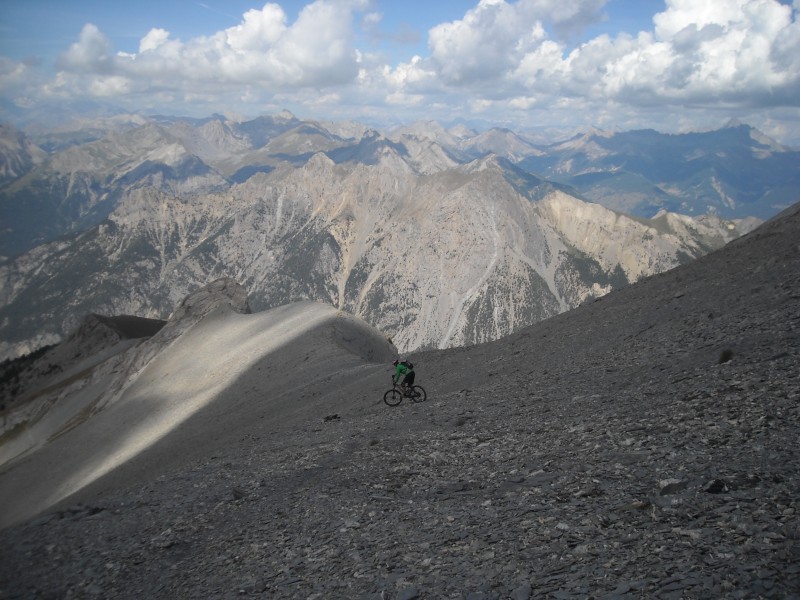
<point>395,361</point>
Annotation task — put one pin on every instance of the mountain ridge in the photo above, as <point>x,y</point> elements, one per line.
<point>756,178</point>
<point>303,209</point>
<point>350,234</point>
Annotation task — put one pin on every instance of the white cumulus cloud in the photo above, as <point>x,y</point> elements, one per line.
<point>262,50</point>
<point>731,51</point>
<point>490,39</point>
<point>515,60</point>
<point>92,53</point>
<point>153,39</point>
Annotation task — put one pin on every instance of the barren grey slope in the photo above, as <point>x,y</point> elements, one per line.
<point>643,445</point>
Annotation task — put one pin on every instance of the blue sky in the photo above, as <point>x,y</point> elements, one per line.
<point>674,65</point>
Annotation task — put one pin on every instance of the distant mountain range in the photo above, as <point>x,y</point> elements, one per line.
<point>74,179</point>
<point>734,172</point>
<point>437,236</point>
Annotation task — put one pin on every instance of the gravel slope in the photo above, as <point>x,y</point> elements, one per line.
<point>641,446</point>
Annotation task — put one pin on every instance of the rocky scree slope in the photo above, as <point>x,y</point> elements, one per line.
<point>643,445</point>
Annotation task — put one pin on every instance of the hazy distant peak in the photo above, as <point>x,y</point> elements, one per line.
<point>425,130</point>
<point>596,132</point>
<point>319,159</point>
<point>372,135</point>
<point>461,132</point>
<point>763,139</point>
<point>424,127</point>
<point>587,143</point>
<point>17,153</point>
<point>757,136</point>
<point>485,163</point>
<point>344,129</point>
<point>285,115</point>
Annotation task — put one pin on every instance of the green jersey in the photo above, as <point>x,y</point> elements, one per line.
<point>400,371</point>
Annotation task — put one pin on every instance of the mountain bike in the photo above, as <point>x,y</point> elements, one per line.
<point>394,396</point>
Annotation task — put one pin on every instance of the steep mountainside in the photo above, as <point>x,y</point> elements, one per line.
<point>453,257</point>
<point>640,446</point>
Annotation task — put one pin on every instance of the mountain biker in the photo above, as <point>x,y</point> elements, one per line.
<point>403,369</point>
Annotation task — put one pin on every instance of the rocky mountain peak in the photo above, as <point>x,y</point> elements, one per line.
<point>351,226</point>
<point>461,132</point>
<point>490,162</point>
<point>500,141</point>
<point>224,293</point>
<point>285,115</point>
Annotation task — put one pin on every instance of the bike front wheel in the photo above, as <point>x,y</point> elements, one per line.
<point>418,393</point>
<point>393,397</point>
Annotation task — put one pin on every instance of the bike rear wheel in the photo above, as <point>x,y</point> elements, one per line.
<point>419,393</point>
<point>393,397</point>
